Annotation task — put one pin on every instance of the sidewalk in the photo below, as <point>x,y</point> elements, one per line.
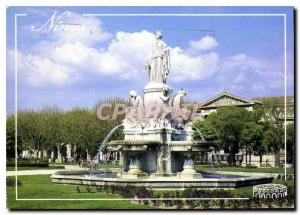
<point>44,171</point>
<point>33,172</point>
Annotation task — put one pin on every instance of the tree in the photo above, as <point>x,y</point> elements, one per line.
<point>50,127</point>
<point>273,118</point>
<point>251,138</point>
<point>54,132</point>
<point>10,138</point>
<point>206,129</point>
<point>273,141</point>
<point>290,141</point>
<point>228,123</point>
<point>31,130</point>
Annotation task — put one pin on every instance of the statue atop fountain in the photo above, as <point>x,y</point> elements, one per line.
<point>158,65</point>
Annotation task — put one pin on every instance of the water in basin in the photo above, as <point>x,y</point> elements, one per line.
<point>204,175</point>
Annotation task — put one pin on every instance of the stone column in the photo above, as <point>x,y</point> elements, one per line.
<point>52,156</point>
<point>40,154</point>
<point>45,154</point>
<point>100,156</point>
<point>188,168</point>
<point>74,151</point>
<point>59,157</point>
<point>88,156</point>
<point>163,160</point>
<point>121,160</point>
<point>69,153</point>
<point>164,154</point>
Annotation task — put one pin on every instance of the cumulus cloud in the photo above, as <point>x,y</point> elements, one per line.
<point>125,55</point>
<point>205,43</point>
<point>68,58</point>
<point>251,74</point>
<point>38,70</point>
<point>247,64</point>
<point>186,67</point>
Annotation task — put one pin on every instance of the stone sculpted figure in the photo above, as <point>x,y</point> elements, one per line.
<point>135,114</point>
<point>137,102</point>
<point>180,113</point>
<point>166,96</point>
<point>212,157</point>
<point>166,110</point>
<point>158,65</point>
<point>178,100</point>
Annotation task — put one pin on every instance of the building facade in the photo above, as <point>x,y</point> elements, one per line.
<point>227,99</point>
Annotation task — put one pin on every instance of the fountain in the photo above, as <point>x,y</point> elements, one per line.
<point>158,147</point>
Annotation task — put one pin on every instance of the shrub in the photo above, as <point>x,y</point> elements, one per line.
<point>206,204</point>
<point>89,189</point>
<point>99,188</point>
<point>250,166</point>
<point>166,201</point>
<point>221,203</point>
<point>11,182</point>
<point>33,162</point>
<point>179,204</point>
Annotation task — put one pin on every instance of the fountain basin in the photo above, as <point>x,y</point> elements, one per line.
<point>210,179</point>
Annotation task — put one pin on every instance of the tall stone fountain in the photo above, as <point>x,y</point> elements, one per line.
<point>158,147</point>
<point>158,130</point>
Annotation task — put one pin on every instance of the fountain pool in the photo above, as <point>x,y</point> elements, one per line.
<point>210,179</point>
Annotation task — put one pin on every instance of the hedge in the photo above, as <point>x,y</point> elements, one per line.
<point>28,163</point>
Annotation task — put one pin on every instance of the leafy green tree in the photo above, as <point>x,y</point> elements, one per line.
<point>10,138</point>
<point>54,120</point>
<point>206,129</point>
<point>273,141</point>
<point>251,138</point>
<point>228,123</point>
<point>290,141</point>
<point>31,130</point>
<point>274,114</point>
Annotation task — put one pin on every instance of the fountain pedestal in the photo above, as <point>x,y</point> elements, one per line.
<point>188,169</point>
<point>134,170</point>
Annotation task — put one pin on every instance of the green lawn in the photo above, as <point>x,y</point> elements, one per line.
<point>247,192</point>
<point>245,169</point>
<point>41,187</point>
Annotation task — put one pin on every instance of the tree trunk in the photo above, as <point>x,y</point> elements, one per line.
<point>246,156</point>
<point>37,153</point>
<point>260,159</point>
<point>277,159</point>
<point>250,158</point>
<point>231,158</point>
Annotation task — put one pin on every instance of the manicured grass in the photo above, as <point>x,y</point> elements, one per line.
<point>244,192</point>
<point>248,191</point>
<point>41,187</point>
<point>11,168</point>
<point>245,169</point>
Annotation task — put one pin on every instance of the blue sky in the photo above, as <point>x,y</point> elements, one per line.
<point>106,57</point>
